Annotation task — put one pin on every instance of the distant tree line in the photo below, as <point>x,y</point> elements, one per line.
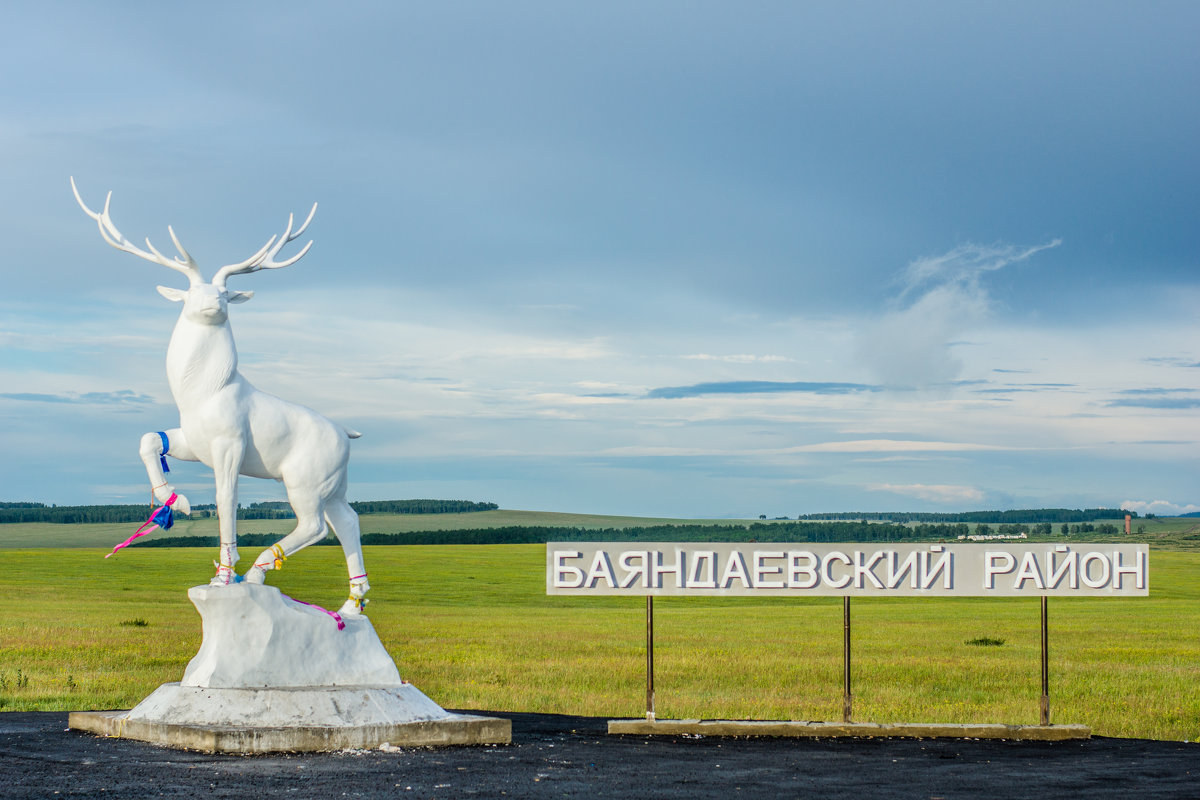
<point>1046,529</point>
<point>76,515</point>
<point>420,506</point>
<point>829,532</point>
<point>279,509</point>
<point>1034,515</point>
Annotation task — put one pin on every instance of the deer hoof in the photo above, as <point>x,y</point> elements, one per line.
<point>353,607</point>
<point>224,577</point>
<point>180,505</point>
<point>256,575</point>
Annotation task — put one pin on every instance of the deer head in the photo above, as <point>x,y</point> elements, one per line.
<point>203,302</point>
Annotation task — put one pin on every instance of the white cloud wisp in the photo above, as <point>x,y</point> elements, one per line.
<point>940,299</point>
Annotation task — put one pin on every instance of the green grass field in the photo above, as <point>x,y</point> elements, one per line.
<point>473,628</point>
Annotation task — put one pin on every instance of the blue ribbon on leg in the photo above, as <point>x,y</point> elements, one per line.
<point>166,446</point>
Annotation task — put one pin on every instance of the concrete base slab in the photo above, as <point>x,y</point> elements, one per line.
<point>453,729</point>
<point>908,730</point>
<point>272,707</point>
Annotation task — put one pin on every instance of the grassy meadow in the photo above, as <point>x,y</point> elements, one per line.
<point>473,628</point>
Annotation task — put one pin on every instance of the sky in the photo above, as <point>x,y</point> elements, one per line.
<point>687,259</point>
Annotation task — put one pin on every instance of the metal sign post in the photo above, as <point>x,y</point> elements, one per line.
<point>1045,704</point>
<point>649,658</point>
<point>847,698</point>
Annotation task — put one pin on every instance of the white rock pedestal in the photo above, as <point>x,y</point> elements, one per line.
<point>274,674</point>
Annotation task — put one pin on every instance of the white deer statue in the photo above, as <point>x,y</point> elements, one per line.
<point>228,425</point>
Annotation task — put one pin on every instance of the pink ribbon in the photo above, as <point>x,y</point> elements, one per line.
<point>334,614</point>
<point>147,527</point>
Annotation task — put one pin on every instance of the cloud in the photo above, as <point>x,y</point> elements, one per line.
<point>893,446</point>
<point>1023,387</point>
<point>758,387</point>
<point>1155,390</point>
<point>940,298</point>
<point>1007,390</point>
<point>744,358</point>
<point>121,397</point>
<point>936,493</point>
<point>562,398</point>
<point>1155,397</point>
<point>1162,508</point>
<point>1169,361</point>
<point>1172,442</point>
<point>1165,403</point>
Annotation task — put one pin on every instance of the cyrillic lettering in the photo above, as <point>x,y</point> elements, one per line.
<point>802,577</point>
<point>1138,570</point>
<point>635,571</point>
<point>942,565</point>
<point>1067,568</point>
<point>1029,571</point>
<point>658,569</point>
<point>601,568</point>
<point>862,569</point>
<point>710,558</point>
<point>735,568</point>
<point>565,575</point>
<point>829,559</point>
<point>761,570</point>
<point>908,566</point>
<point>996,564</point>
<point>1085,570</point>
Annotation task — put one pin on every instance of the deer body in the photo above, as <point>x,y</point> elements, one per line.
<point>232,427</point>
<point>218,405</point>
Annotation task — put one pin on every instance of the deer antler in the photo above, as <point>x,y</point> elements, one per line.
<point>265,257</point>
<point>108,231</point>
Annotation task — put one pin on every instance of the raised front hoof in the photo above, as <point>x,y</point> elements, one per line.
<point>255,575</point>
<point>179,505</point>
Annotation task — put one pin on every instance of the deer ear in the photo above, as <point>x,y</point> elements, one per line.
<point>174,295</point>
<point>238,297</point>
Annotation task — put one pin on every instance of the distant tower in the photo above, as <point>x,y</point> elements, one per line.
<point>1128,519</point>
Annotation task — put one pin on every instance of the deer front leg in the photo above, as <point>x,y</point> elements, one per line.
<point>227,463</point>
<point>153,449</point>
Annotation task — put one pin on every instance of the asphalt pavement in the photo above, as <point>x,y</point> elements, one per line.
<point>565,756</point>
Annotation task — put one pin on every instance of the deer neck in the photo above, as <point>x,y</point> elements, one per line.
<point>201,360</point>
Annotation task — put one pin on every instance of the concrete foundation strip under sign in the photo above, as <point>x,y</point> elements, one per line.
<point>909,730</point>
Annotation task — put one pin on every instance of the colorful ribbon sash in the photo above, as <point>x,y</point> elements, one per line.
<point>334,614</point>
<point>162,517</point>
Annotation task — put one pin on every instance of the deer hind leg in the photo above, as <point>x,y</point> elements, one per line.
<point>310,529</point>
<point>344,522</point>
<point>154,448</point>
